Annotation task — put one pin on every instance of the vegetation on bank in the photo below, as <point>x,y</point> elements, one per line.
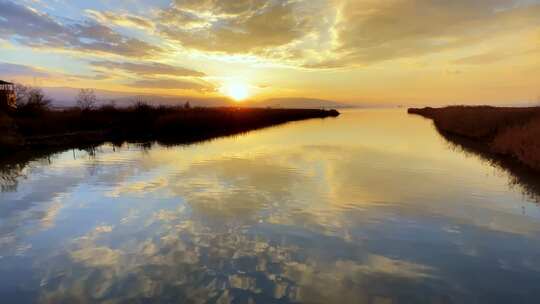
<point>35,124</point>
<point>511,132</point>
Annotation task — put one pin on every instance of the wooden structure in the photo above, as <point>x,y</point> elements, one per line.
<point>8,98</point>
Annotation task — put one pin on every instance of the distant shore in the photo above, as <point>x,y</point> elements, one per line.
<point>73,128</point>
<point>503,131</point>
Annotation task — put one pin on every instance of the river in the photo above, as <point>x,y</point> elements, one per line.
<point>371,207</point>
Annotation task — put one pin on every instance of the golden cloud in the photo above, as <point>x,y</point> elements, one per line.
<point>144,68</point>
<point>236,27</point>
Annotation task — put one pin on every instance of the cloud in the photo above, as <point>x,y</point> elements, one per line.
<point>372,31</point>
<point>313,34</point>
<point>142,187</point>
<point>97,256</point>
<point>173,84</point>
<point>34,29</point>
<point>340,33</point>
<point>237,26</point>
<point>121,19</point>
<point>377,264</point>
<point>484,58</point>
<point>223,187</point>
<point>148,68</point>
<point>18,72</point>
<point>8,70</point>
<point>225,7</point>
<point>493,56</point>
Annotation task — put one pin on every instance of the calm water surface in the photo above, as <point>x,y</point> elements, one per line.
<point>371,207</point>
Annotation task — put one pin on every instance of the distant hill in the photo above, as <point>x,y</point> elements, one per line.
<point>65,97</point>
<point>300,103</point>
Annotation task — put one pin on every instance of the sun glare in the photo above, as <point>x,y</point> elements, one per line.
<point>237,91</point>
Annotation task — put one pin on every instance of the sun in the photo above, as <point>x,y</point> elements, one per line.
<point>237,91</point>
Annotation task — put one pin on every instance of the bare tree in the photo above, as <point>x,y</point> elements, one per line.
<point>21,92</point>
<point>36,99</point>
<point>140,104</point>
<point>86,100</point>
<point>31,100</point>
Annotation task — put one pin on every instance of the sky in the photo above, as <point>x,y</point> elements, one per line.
<point>355,51</point>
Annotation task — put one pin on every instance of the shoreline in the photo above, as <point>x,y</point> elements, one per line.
<point>76,128</point>
<point>512,133</point>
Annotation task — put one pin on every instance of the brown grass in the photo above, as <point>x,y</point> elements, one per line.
<point>514,132</point>
<point>8,135</point>
<point>521,142</point>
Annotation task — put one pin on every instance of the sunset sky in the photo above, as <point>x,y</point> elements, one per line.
<point>355,51</point>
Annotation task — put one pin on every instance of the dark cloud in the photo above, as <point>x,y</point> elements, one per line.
<point>8,70</point>
<point>148,68</point>
<point>34,29</point>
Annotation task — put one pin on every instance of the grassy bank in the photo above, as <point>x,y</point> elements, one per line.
<point>141,122</point>
<point>511,132</point>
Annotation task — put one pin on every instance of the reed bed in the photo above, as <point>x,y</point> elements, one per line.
<point>512,132</point>
<point>140,122</point>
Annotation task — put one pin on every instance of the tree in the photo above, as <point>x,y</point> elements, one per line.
<point>21,91</point>
<point>37,99</point>
<point>187,105</point>
<point>86,100</point>
<point>30,100</point>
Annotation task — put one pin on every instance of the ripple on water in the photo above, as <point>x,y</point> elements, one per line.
<point>371,207</point>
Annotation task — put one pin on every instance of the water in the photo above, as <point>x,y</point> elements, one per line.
<point>371,207</point>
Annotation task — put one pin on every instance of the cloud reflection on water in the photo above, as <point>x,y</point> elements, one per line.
<point>238,221</point>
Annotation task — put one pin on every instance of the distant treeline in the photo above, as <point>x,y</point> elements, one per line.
<point>511,132</point>
<point>34,124</point>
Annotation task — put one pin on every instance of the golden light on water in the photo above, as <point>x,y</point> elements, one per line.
<point>237,91</point>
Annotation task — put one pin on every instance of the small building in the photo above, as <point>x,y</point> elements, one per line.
<point>8,98</point>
